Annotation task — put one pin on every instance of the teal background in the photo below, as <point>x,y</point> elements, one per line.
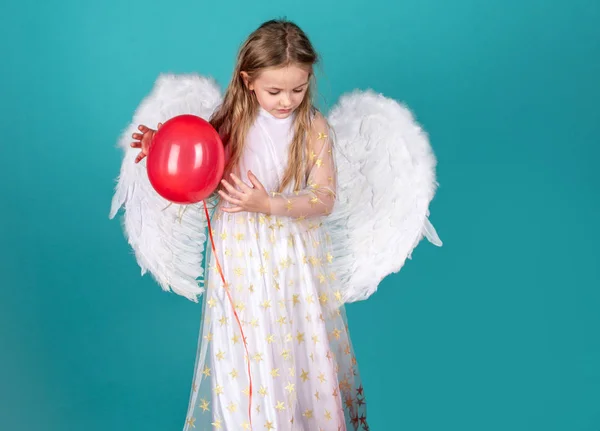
<point>498,330</point>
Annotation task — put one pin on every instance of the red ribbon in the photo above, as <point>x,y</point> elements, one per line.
<point>226,287</point>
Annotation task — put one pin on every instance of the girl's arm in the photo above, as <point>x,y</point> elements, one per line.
<point>318,197</point>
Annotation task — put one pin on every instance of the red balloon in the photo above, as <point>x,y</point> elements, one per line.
<point>185,160</point>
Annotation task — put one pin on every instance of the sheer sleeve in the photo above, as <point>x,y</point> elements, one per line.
<point>318,197</point>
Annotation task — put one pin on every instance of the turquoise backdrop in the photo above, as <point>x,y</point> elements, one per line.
<point>499,330</point>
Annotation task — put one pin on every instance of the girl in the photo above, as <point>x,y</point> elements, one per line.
<point>280,180</point>
<point>299,229</point>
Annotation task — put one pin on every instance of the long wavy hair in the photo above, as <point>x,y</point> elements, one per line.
<point>276,43</point>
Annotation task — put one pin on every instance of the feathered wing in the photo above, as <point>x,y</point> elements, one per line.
<point>168,240</point>
<point>386,180</point>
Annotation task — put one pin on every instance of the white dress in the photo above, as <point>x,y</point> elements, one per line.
<point>283,290</point>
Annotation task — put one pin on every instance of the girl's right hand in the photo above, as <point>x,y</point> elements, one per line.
<point>143,140</point>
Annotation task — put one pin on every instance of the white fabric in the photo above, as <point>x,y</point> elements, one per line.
<point>304,372</point>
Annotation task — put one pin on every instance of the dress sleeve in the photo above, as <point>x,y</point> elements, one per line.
<point>318,197</point>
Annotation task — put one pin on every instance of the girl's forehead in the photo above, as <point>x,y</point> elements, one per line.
<point>291,76</point>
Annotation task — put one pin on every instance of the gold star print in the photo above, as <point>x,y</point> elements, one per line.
<point>300,337</point>
<point>285,354</point>
<point>238,271</point>
<point>204,405</point>
<point>211,302</point>
<point>275,372</point>
<point>224,235</point>
<point>246,425</point>
<point>232,407</point>
<point>288,337</point>
<point>251,288</point>
<point>235,338</point>
<point>217,424</point>
<point>258,357</point>
<point>262,270</point>
<point>266,254</point>
<point>292,372</point>
<point>194,387</point>
<point>208,336</point>
<point>332,276</point>
<point>315,338</point>
<point>313,201</point>
<point>290,387</point>
<point>270,338</point>
<point>206,371</point>
<point>322,377</point>
<point>280,406</point>
<point>233,373</point>
<point>282,320</point>
<point>321,135</point>
<point>220,355</point>
<point>308,414</point>
<point>289,205</point>
<point>254,322</point>
<point>240,306</point>
<point>295,299</point>
<point>266,304</point>
<point>246,391</point>
<point>304,375</point>
<point>308,318</point>
<point>227,252</point>
<point>319,163</point>
<point>191,421</point>
<point>329,257</point>
<point>223,321</point>
<point>338,295</point>
<point>218,389</point>
<point>312,155</point>
<point>327,414</point>
<point>276,273</point>
<point>239,237</point>
<point>269,425</point>
<point>336,333</point>
<point>317,396</point>
<point>323,298</point>
<point>262,391</point>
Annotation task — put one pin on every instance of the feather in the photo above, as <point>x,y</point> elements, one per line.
<point>386,180</point>
<point>168,240</point>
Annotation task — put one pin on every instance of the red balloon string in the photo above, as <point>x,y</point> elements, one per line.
<point>226,287</point>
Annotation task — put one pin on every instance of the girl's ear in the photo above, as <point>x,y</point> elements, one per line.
<point>246,79</point>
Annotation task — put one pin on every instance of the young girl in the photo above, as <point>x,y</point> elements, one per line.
<point>274,351</point>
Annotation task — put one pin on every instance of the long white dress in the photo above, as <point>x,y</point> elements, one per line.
<point>284,292</point>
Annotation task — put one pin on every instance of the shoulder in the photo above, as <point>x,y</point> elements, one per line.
<point>319,128</point>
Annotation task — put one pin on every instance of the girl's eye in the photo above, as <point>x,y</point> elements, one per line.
<point>273,94</point>
<point>298,91</point>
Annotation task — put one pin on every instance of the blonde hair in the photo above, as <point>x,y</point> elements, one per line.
<point>276,43</point>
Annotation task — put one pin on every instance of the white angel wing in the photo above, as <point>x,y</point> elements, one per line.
<point>167,240</point>
<point>386,180</point>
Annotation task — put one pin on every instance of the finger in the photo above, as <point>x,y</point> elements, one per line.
<point>137,136</point>
<point>136,145</point>
<point>232,209</point>
<point>242,185</point>
<point>159,126</point>
<point>232,190</point>
<point>139,157</point>
<point>255,181</point>
<point>229,198</point>
<point>143,128</point>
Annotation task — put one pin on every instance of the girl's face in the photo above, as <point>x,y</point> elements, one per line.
<point>279,91</point>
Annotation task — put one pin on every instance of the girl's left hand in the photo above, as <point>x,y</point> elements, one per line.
<point>251,199</point>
